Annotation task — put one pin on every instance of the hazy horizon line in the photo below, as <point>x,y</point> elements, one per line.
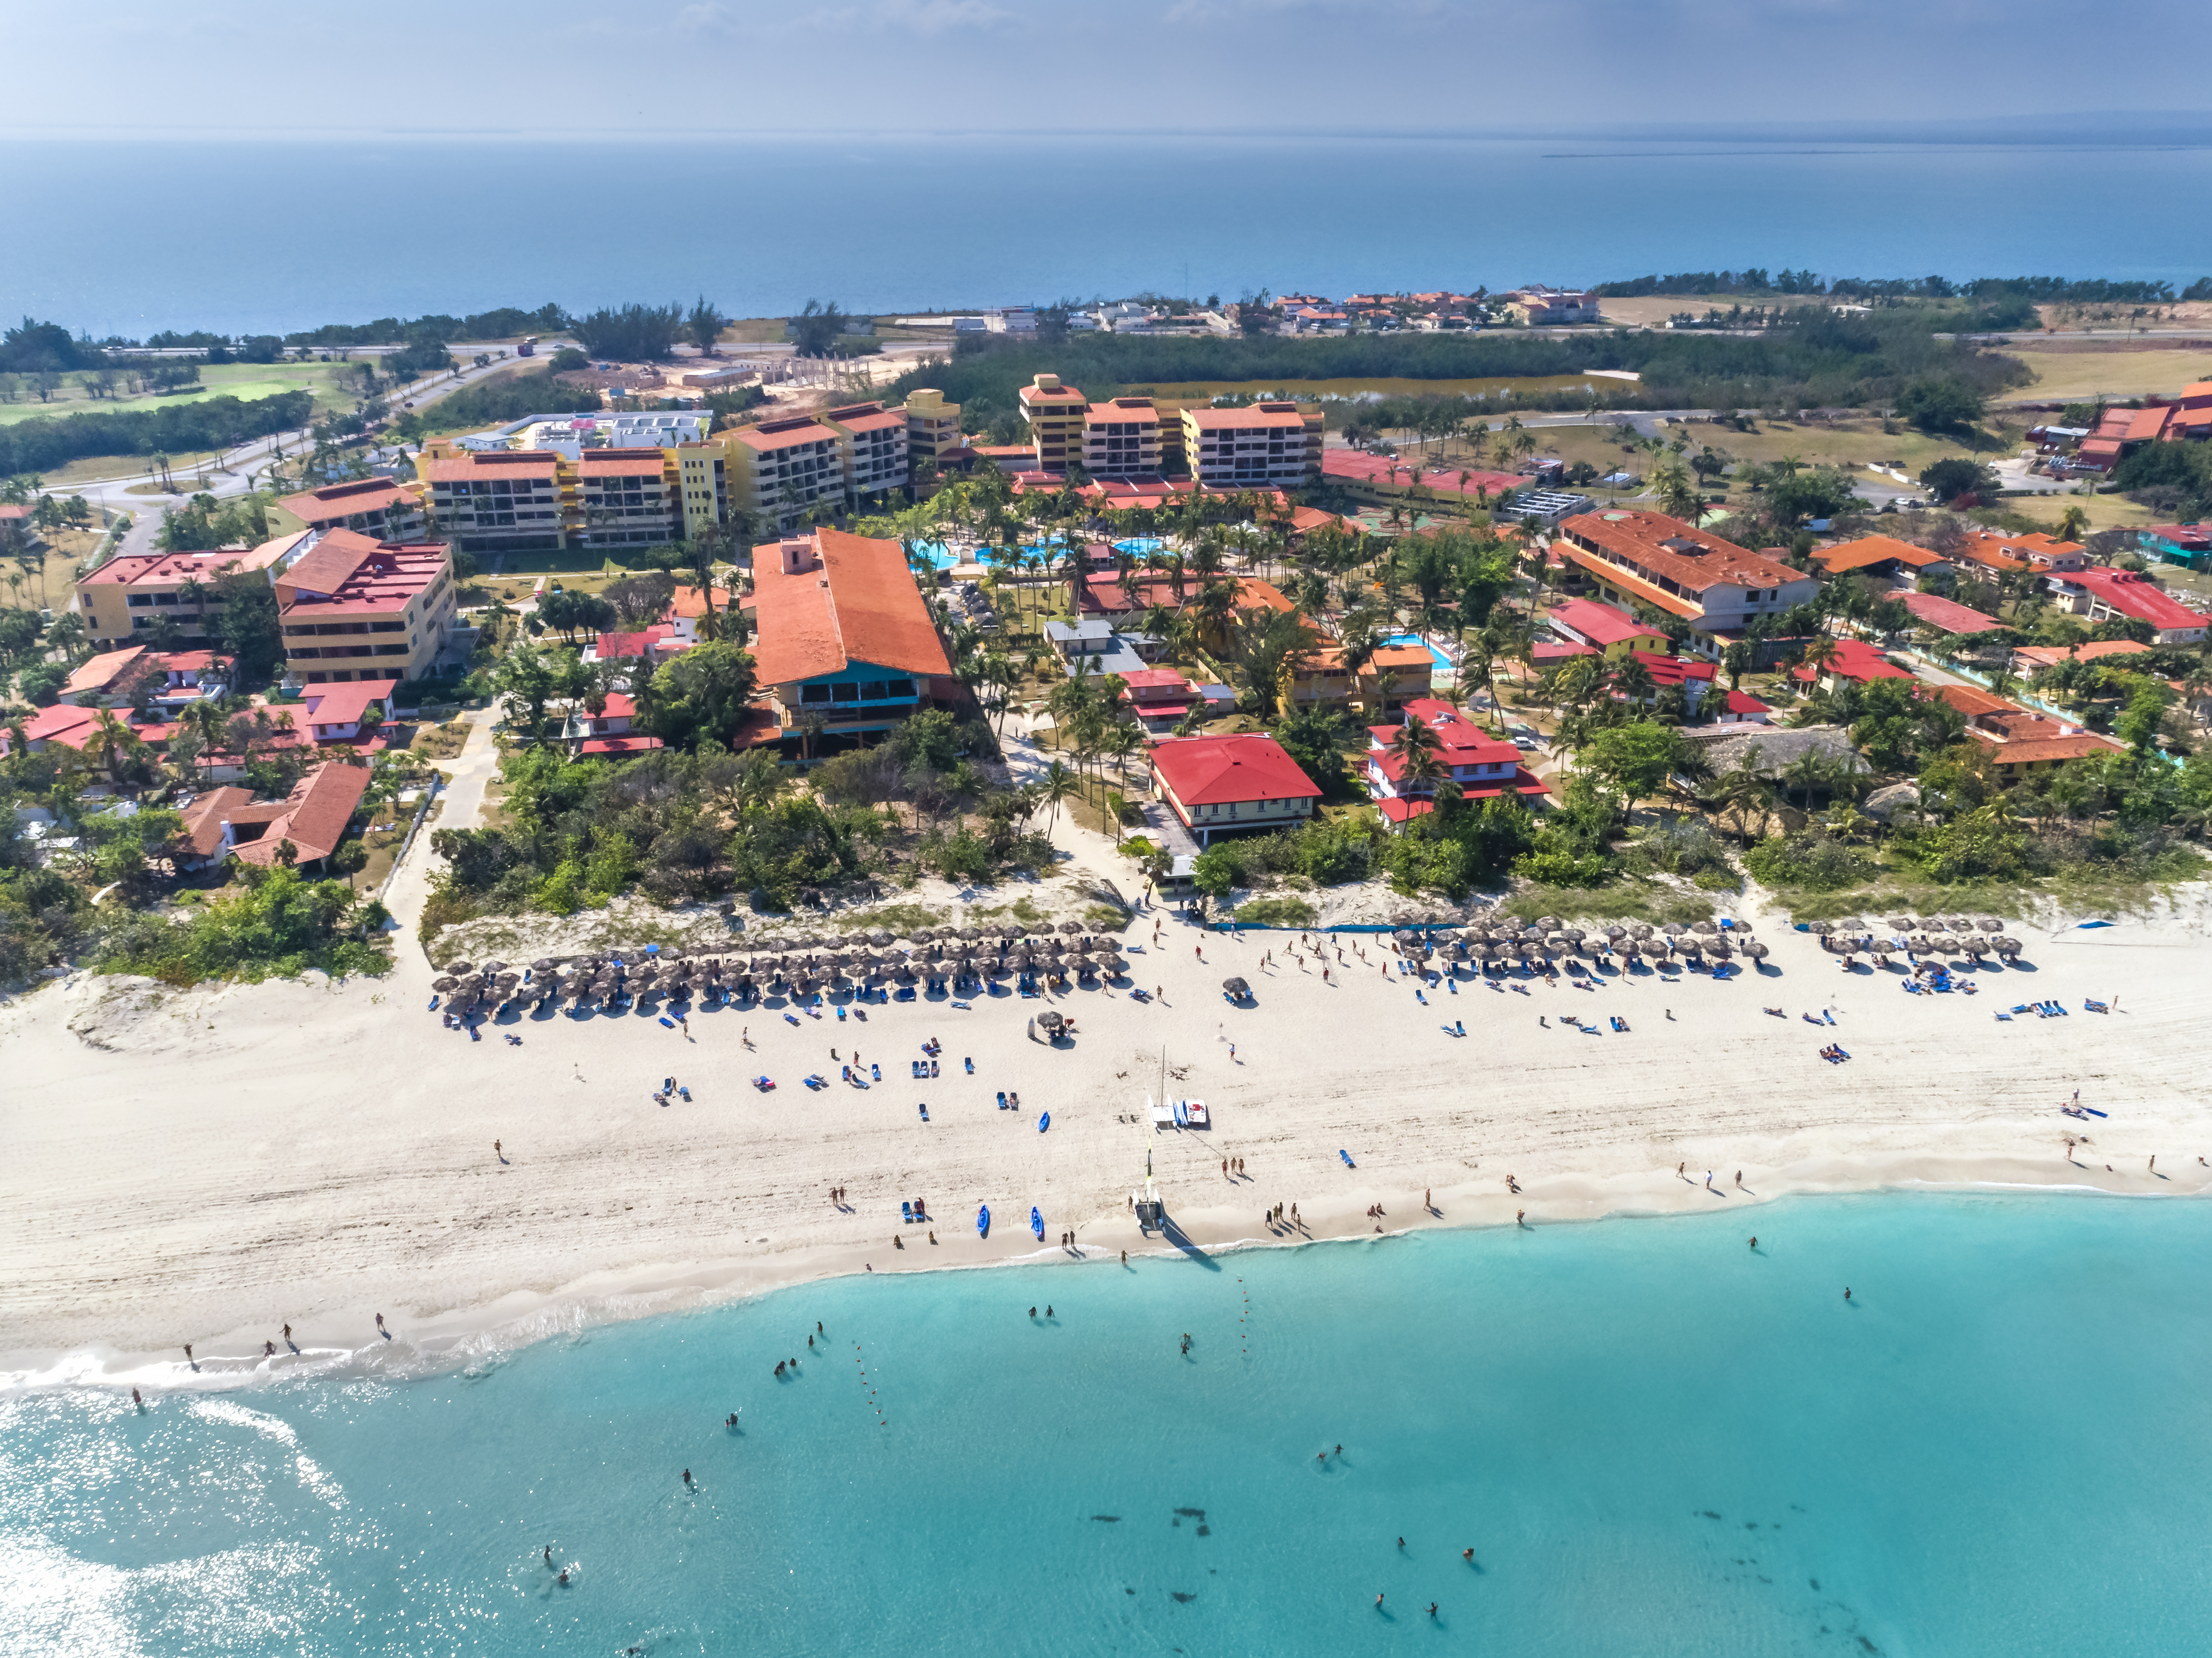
<point>2097,129</point>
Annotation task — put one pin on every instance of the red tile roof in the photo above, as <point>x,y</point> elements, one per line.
<point>346,573</point>
<point>1856,659</point>
<point>1208,771</point>
<point>1873,549</point>
<point>1287,415</point>
<point>859,604</point>
<point>1938,611</point>
<point>1601,624</point>
<point>507,463</point>
<point>2049,655</point>
<point>620,463</point>
<point>1745,702</point>
<point>2133,593</point>
<point>336,502</point>
<point>614,748</point>
<point>313,817</point>
<point>1641,538</point>
<point>342,703</point>
<point>127,569</point>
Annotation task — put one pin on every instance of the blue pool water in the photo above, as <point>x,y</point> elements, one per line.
<point>1139,545</point>
<point>1443,662</point>
<point>1654,1440</point>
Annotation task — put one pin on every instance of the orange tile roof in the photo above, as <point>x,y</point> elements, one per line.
<point>1650,593</point>
<point>620,463</point>
<point>859,604</point>
<point>507,463</point>
<point>1873,549</point>
<point>2049,655</point>
<point>341,500</point>
<point>1640,537</point>
<point>126,569</point>
<point>1259,414</point>
<point>784,433</point>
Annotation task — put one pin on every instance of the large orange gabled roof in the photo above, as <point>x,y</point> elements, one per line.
<point>857,604</point>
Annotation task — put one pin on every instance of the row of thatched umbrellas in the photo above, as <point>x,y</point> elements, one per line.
<point>939,954</point>
<point>1549,937</point>
<point>1930,935</point>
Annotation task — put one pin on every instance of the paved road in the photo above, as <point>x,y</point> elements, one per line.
<point>461,807</point>
<point>241,466</point>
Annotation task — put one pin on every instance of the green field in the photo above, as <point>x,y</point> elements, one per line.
<point>332,383</point>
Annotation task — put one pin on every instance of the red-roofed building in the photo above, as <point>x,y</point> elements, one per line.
<point>1612,630</point>
<point>1741,708</point>
<point>356,609</point>
<point>611,732</point>
<point>844,634</point>
<point>1853,660</point>
<point>2101,593</point>
<point>649,646</point>
<point>1388,471</point>
<point>1264,446</point>
<point>2033,658</point>
<point>617,748</point>
<point>380,509</point>
<point>1230,785</point>
<point>2021,743</point>
<point>170,679</point>
<point>1882,556</point>
<point>1933,610</point>
<point>337,712</point>
<point>1644,558</point>
<point>312,820</point>
<point>1670,672</point>
<point>121,599</point>
<point>1483,765</point>
<point>1159,697</point>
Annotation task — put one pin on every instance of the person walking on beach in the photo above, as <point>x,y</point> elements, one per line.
<point>497,1152</point>
<point>189,1359</point>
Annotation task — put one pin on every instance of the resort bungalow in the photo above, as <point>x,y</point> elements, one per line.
<point>1853,661</point>
<point>1159,697</point>
<point>311,821</point>
<point>170,679</point>
<point>1741,708</point>
<point>1230,785</point>
<point>1945,616</point>
<point>2102,593</point>
<point>1483,765</point>
<point>610,733</point>
<point>845,637</point>
<point>1608,629</point>
<point>340,713</point>
<point>1880,558</point>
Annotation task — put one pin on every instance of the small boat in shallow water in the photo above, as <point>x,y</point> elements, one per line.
<point>1036,1225</point>
<point>1044,1122</point>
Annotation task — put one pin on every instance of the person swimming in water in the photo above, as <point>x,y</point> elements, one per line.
<point>1847,1292</point>
<point>1468,1555</point>
<point>687,1477</point>
<point>564,1577</point>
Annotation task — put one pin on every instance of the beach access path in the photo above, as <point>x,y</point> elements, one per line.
<point>206,1165</point>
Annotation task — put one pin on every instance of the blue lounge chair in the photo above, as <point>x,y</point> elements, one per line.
<point>1346,1156</point>
<point>906,1213</point>
<point>1002,1099</point>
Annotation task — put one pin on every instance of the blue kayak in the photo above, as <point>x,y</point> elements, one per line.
<point>983,1221</point>
<point>1044,1122</point>
<point>1036,1225</point>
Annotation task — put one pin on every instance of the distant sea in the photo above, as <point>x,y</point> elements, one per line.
<point>1649,1438</point>
<point>129,237</point>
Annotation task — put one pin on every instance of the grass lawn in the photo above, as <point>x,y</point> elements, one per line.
<point>95,469</point>
<point>332,383</point>
<point>2080,370</point>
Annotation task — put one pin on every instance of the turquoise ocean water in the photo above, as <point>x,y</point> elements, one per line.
<point>1654,1440</point>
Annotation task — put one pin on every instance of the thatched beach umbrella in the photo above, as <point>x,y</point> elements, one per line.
<point>1236,988</point>
<point>1988,924</point>
<point>1071,926</point>
<point>1707,925</point>
<point>458,967</point>
<point>1757,952</point>
<point>446,984</point>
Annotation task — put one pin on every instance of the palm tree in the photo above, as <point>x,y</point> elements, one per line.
<point>1807,772</point>
<point>2072,522</point>
<point>1057,784</point>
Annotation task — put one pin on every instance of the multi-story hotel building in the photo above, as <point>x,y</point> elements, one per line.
<point>628,499</point>
<point>1663,564</point>
<point>382,508</point>
<point>1122,438</point>
<point>121,599</point>
<point>933,425</point>
<point>1055,416</point>
<point>872,443</point>
<point>356,609</point>
<point>500,500</point>
<point>1266,445</point>
<point>783,467</point>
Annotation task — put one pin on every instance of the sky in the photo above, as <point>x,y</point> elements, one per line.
<point>642,68</point>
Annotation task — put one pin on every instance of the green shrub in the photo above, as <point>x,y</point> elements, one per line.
<point>1278,912</point>
<point>1810,861</point>
<point>1564,869</point>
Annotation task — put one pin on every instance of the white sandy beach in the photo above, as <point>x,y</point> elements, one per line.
<point>208,1165</point>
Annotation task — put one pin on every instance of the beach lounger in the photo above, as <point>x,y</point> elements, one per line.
<point>791,1018</point>
<point>1620,1024</point>
<point>1193,1113</point>
<point>1013,1100</point>
<point>1181,1119</point>
<point>906,1213</point>
<point>875,1072</point>
<point>1346,1156</point>
<point>2095,1007</point>
<point>1002,1099</point>
<point>2093,1111</point>
<point>925,1112</point>
<point>669,1022</point>
<point>2005,1018</point>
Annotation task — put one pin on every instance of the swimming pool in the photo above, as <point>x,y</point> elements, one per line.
<point>1139,545</point>
<point>1443,662</point>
